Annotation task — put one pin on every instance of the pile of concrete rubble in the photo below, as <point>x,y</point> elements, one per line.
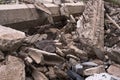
<point>81,47</point>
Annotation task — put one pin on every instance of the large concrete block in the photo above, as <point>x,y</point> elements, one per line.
<point>10,39</point>
<point>17,13</point>
<point>13,70</point>
<point>73,8</point>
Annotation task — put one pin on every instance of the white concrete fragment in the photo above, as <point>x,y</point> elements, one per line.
<point>38,58</point>
<point>102,76</point>
<point>94,70</point>
<point>28,59</point>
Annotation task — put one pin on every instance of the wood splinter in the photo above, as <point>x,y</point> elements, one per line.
<point>113,21</point>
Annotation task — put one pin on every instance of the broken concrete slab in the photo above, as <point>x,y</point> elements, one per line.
<point>61,74</point>
<point>99,53</point>
<point>42,69</point>
<point>35,38</point>
<point>3,75</point>
<point>102,76</point>
<point>46,45</point>
<point>51,73</point>
<point>72,8</point>
<point>22,12</point>
<point>48,58</point>
<point>114,54</point>
<point>72,62</point>
<point>28,12</point>
<point>42,7</point>
<point>94,70</point>
<point>38,58</point>
<point>10,34</point>
<point>114,70</point>
<point>38,75</point>
<point>14,69</point>
<point>78,52</point>
<point>10,39</point>
<point>32,39</point>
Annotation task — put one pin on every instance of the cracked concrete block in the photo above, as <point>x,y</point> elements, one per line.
<point>94,70</point>
<point>114,70</point>
<point>13,70</point>
<point>10,39</point>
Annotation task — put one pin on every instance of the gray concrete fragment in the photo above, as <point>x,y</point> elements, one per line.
<point>17,13</point>
<point>114,54</point>
<point>38,75</point>
<point>23,12</point>
<point>114,70</point>
<point>94,70</point>
<point>72,8</point>
<point>3,73</point>
<point>10,39</point>
<point>36,37</point>
<point>13,70</point>
<point>1,56</point>
<point>38,58</point>
<point>42,69</point>
<point>48,58</point>
<point>51,73</point>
